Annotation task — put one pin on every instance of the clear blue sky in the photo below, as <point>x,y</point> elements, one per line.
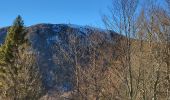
<point>81,12</point>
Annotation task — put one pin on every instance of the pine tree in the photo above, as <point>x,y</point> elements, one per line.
<point>15,38</point>
<point>19,73</point>
<point>9,51</point>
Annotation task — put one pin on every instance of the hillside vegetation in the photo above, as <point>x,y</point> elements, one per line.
<point>128,61</point>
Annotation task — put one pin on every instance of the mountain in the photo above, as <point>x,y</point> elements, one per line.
<point>52,42</point>
<point>100,56</point>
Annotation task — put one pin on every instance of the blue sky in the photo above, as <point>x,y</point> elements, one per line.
<point>81,12</point>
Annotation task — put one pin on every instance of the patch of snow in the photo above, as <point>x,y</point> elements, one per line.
<point>74,26</point>
<point>52,39</point>
<point>85,29</point>
<point>80,28</point>
<point>56,28</point>
<point>95,29</point>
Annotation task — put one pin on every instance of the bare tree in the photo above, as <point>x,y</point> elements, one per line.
<point>122,21</point>
<point>27,79</point>
<point>156,31</point>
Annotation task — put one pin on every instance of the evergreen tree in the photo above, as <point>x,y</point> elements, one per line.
<point>15,38</point>
<point>19,73</point>
<point>9,51</point>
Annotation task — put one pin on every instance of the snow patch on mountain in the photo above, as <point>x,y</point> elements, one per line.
<point>56,28</point>
<point>52,39</point>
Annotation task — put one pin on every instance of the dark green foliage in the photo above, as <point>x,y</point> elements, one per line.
<point>14,39</point>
